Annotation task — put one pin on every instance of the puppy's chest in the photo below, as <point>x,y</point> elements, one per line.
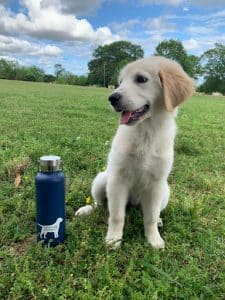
<point>142,156</point>
<point>146,159</point>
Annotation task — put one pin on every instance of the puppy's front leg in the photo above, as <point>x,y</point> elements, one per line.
<point>117,194</point>
<point>151,205</point>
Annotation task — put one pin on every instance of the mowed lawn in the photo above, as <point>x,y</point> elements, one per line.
<point>78,124</point>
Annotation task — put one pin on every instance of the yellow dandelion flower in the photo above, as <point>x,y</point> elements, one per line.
<point>104,168</point>
<point>88,200</point>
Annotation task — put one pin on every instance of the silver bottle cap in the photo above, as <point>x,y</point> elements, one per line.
<point>50,163</point>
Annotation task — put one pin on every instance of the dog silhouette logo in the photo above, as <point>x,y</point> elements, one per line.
<point>54,228</point>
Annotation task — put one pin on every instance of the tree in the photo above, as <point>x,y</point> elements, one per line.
<point>81,80</point>
<point>107,59</point>
<point>8,69</point>
<point>193,66</point>
<point>65,77</point>
<point>32,73</point>
<point>119,66</point>
<point>29,77</point>
<point>49,78</point>
<point>58,70</point>
<point>36,72</point>
<point>174,49</point>
<point>213,61</point>
<point>21,73</point>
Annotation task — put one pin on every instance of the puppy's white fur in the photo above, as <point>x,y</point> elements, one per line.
<point>141,156</point>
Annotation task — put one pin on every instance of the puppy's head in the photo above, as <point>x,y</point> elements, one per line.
<point>149,85</point>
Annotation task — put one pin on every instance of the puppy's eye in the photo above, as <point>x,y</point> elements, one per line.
<point>141,79</point>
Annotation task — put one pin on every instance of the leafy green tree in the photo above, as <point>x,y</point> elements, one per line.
<point>21,73</point>
<point>193,66</point>
<point>119,66</point>
<point>213,61</point>
<point>32,73</point>
<point>174,49</point>
<point>36,72</point>
<point>8,69</point>
<point>211,85</point>
<point>29,77</point>
<point>106,61</point>
<point>81,80</point>
<point>49,78</point>
<point>58,70</point>
<point>66,77</point>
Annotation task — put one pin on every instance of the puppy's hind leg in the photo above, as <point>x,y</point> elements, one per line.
<point>166,196</point>
<point>98,192</point>
<point>164,203</point>
<point>98,189</point>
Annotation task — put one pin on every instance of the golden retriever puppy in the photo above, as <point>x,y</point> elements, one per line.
<point>142,151</point>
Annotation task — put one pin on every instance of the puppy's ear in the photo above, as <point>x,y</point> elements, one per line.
<point>177,86</point>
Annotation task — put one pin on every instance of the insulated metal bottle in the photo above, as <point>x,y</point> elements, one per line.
<point>50,201</point>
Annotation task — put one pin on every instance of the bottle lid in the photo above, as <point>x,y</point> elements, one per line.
<point>50,163</point>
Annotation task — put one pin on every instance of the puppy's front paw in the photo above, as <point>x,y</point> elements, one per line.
<point>112,243</point>
<point>156,242</point>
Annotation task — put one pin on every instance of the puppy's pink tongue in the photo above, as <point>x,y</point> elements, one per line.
<point>125,117</point>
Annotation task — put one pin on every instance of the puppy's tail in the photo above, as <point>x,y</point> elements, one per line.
<point>98,189</point>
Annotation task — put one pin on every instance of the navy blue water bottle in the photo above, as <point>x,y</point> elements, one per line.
<point>50,201</point>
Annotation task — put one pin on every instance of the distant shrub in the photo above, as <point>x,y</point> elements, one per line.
<point>29,77</point>
<point>49,78</point>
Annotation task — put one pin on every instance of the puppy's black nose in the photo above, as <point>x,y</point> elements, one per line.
<point>114,98</point>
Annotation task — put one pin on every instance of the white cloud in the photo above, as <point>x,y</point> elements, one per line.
<point>200,30</point>
<point>11,45</point>
<point>186,3</point>
<point>124,29</point>
<point>50,23</point>
<point>49,50</point>
<point>199,3</point>
<point>205,30</point>
<point>70,6</point>
<point>148,44</point>
<point>207,2</point>
<point>191,44</point>
<point>160,25</point>
<point>8,58</point>
<point>219,14</point>
<point>136,27</point>
<point>200,45</point>
<point>168,2</point>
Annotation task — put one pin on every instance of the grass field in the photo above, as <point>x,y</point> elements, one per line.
<point>77,123</point>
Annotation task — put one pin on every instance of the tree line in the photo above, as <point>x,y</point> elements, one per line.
<point>13,71</point>
<point>107,61</point>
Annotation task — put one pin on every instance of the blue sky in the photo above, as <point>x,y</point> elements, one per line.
<point>45,32</point>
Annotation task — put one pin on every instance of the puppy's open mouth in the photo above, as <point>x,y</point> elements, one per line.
<point>129,117</point>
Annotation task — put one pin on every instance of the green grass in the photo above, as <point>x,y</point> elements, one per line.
<point>77,123</point>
